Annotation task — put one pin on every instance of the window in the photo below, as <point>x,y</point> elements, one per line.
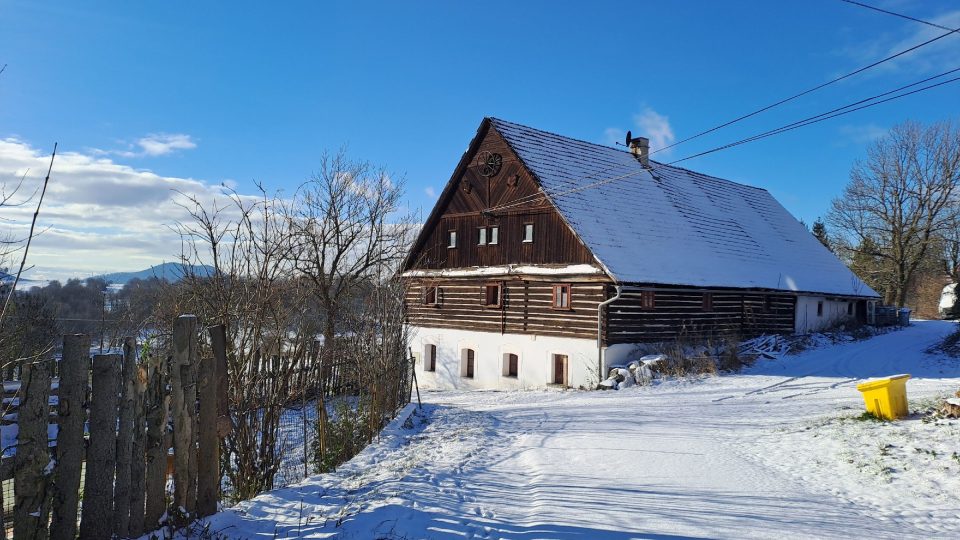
<point>430,358</point>
<point>528,233</point>
<point>560,369</point>
<point>511,365</point>
<point>767,304</point>
<point>488,236</point>
<point>492,293</point>
<point>467,360</point>
<point>648,299</point>
<point>432,295</point>
<point>820,309</point>
<point>849,308</point>
<point>707,301</point>
<point>452,241</point>
<point>561,296</point>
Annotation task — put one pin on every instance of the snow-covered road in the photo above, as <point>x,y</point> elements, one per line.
<point>760,454</point>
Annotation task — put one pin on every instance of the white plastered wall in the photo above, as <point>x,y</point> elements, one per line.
<point>834,312</point>
<point>535,359</point>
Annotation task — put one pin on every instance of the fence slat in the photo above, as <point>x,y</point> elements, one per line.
<point>72,414</point>
<point>138,466</point>
<point>97,513</point>
<point>121,490</point>
<point>208,462</point>
<point>183,401</point>
<point>218,344</point>
<point>31,504</point>
<point>157,443</point>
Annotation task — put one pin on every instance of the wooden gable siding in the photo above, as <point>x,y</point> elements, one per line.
<point>461,210</point>
<point>526,307</point>
<point>679,313</point>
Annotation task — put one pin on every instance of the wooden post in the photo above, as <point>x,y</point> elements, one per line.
<point>121,490</point>
<point>183,400</point>
<point>218,344</point>
<point>31,505</point>
<point>157,411</point>
<point>208,461</point>
<point>97,514</point>
<point>138,466</point>
<point>72,415</point>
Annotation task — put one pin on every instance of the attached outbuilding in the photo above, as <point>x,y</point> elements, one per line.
<point>547,259</point>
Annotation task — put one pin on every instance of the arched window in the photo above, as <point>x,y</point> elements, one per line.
<point>511,365</point>
<point>467,363</point>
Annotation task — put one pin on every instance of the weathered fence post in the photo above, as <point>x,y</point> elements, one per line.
<point>97,513</point>
<point>183,407</point>
<point>125,458</point>
<point>208,461</point>
<point>138,471</point>
<point>71,415</point>
<point>31,504</point>
<point>157,407</point>
<point>218,344</point>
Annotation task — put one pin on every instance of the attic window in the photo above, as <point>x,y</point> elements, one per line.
<point>648,299</point>
<point>528,233</point>
<point>492,293</point>
<point>452,239</point>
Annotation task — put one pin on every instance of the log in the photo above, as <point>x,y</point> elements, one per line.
<point>182,400</point>
<point>97,512</point>
<point>208,460</point>
<point>157,404</point>
<point>121,490</point>
<point>72,413</point>
<point>31,503</point>
<point>138,465</point>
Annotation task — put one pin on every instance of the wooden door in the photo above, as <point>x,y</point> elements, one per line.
<point>560,369</point>
<point>470,363</point>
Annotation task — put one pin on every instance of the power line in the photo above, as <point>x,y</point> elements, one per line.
<point>808,91</point>
<point>833,113</point>
<point>895,14</point>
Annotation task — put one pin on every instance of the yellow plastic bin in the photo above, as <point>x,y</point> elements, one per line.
<point>886,398</point>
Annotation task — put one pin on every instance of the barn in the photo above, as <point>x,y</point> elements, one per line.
<point>547,259</point>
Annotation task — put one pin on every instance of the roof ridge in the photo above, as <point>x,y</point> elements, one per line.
<point>524,126</point>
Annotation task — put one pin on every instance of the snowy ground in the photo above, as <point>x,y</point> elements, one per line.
<point>772,452</point>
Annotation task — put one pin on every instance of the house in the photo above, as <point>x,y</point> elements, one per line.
<point>547,259</point>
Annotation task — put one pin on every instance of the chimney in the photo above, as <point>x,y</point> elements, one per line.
<point>640,148</point>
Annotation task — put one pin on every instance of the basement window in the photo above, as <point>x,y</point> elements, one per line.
<point>528,233</point>
<point>561,296</point>
<point>452,239</point>
<point>492,293</point>
<point>707,301</point>
<point>648,299</point>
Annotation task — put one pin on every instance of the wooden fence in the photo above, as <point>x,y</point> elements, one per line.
<point>121,465</point>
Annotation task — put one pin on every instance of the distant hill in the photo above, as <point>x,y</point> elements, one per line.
<point>168,271</point>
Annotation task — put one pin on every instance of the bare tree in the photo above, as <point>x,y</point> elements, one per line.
<point>901,200</point>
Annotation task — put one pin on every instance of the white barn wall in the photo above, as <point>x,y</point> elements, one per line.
<point>807,320</point>
<point>535,359</point>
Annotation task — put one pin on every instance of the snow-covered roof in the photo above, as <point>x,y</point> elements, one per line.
<point>670,225</point>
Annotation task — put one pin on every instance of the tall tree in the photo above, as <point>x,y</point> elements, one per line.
<point>902,198</point>
<point>820,231</point>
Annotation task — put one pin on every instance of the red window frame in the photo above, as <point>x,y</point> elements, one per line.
<point>558,290</point>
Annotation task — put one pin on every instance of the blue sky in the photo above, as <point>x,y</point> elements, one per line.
<point>204,93</point>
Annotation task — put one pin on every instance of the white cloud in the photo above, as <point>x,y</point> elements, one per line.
<point>933,58</point>
<point>98,215</point>
<point>154,144</point>
<point>863,133</point>
<point>432,193</point>
<point>647,123</point>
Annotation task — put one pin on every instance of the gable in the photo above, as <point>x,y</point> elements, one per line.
<point>464,207</point>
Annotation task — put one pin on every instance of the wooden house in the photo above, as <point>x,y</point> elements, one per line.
<point>547,259</point>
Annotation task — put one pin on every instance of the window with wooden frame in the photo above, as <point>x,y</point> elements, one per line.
<point>492,295</point>
<point>430,358</point>
<point>467,359</point>
<point>528,233</point>
<point>648,300</point>
<point>482,236</point>
<point>488,236</point>
<point>432,295</point>
<point>511,365</point>
<point>708,301</point>
<point>561,296</point>
<point>452,239</point>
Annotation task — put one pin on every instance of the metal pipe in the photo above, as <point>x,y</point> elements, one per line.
<point>600,330</point>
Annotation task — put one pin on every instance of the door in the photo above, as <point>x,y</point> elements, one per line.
<point>560,369</point>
